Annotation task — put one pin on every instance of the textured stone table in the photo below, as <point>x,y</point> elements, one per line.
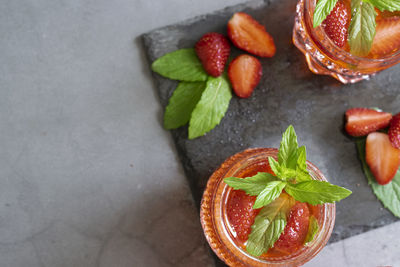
<point>88,177</point>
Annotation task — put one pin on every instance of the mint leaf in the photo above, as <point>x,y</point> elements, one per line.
<point>388,194</point>
<point>287,155</point>
<point>269,194</point>
<point>302,159</point>
<point>182,65</point>
<point>275,167</point>
<point>182,103</point>
<point>294,175</point>
<point>382,5</point>
<point>362,27</point>
<point>253,185</point>
<point>316,192</point>
<point>301,167</point>
<point>313,228</point>
<point>295,156</point>
<point>211,108</point>
<point>322,9</point>
<point>268,225</point>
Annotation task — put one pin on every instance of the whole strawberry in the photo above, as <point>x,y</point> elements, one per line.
<point>337,23</point>
<point>394,131</point>
<point>213,51</point>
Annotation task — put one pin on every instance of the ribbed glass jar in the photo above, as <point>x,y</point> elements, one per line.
<point>324,57</point>
<point>213,214</point>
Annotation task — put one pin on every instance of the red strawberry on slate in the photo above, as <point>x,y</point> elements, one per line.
<point>337,23</point>
<point>241,214</point>
<point>382,158</point>
<point>394,131</point>
<point>296,229</point>
<point>244,73</point>
<point>247,34</point>
<point>213,51</point>
<point>362,121</point>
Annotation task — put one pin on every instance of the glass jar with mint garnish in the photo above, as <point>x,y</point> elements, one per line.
<point>269,207</point>
<point>348,39</point>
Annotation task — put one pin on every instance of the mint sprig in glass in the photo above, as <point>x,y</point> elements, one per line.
<point>278,191</point>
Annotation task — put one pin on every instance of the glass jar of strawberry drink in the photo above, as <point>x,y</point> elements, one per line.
<point>227,215</point>
<point>348,39</point>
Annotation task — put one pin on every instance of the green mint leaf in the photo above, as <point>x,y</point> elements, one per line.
<point>253,185</point>
<point>382,5</point>
<point>313,228</point>
<point>322,9</point>
<point>211,108</point>
<point>268,225</point>
<point>388,194</point>
<point>182,65</point>
<point>296,175</point>
<point>302,159</point>
<point>182,103</point>
<point>287,155</point>
<point>269,194</point>
<point>301,173</point>
<point>302,176</point>
<point>362,27</point>
<point>288,174</point>
<point>316,192</point>
<point>275,167</point>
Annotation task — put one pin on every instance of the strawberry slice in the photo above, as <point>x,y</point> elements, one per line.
<point>394,131</point>
<point>362,121</point>
<point>296,229</point>
<point>337,23</point>
<point>241,214</point>
<point>213,51</point>
<point>387,37</point>
<point>244,73</point>
<point>382,158</point>
<point>247,34</point>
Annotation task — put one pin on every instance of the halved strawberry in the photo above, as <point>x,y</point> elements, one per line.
<point>382,158</point>
<point>245,73</point>
<point>362,121</point>
<point>337,23</point>
<point>387,37</point>
<point>247,34</point>
<point>213,51</point>
<point>394,131</point>
<point>296,229</point>
<point>241,214</point>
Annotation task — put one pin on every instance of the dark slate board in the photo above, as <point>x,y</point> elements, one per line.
<point>288,94</point>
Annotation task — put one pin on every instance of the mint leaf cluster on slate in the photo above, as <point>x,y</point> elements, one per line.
<point>291,174</point>
<point>362,28</point>
<point>199,99</point>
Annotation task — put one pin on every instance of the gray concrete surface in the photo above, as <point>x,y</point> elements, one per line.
<point>88,177</point>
